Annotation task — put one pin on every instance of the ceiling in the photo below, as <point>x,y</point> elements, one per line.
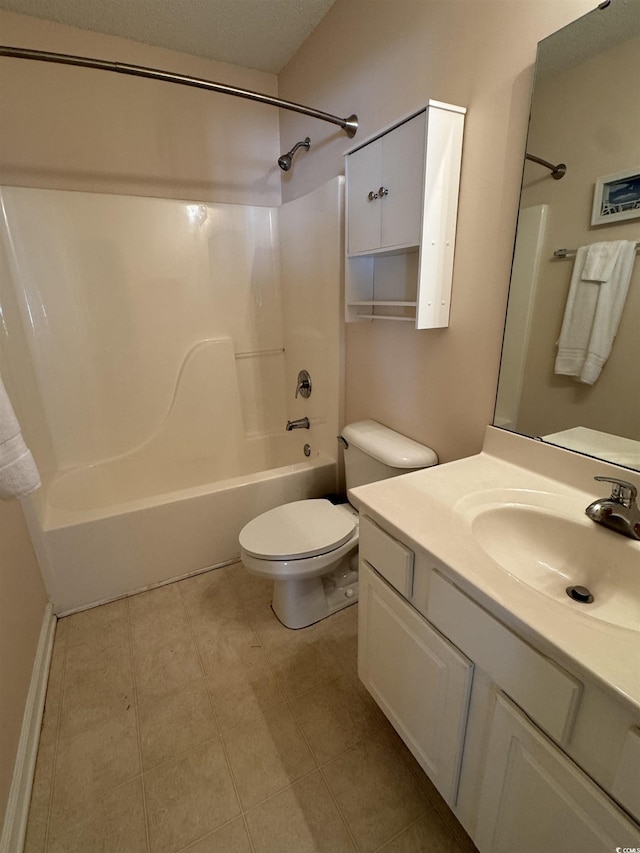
<point>262,34</point>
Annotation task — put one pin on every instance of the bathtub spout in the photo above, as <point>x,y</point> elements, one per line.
<point>300,423</point>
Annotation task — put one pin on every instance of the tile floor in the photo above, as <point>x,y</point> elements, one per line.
<point>187,718</point>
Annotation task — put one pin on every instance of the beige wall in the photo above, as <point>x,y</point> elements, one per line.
<point>81,129</point>
<point>22,603</point>
<point>382,59</point>
<point>587,118</point>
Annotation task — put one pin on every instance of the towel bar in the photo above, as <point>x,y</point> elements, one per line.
<point>565,253</point>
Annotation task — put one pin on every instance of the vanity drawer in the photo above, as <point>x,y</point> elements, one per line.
<point>390,558</point>
<point>546,693</point>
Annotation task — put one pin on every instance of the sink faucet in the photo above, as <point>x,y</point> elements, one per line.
<point>619,512</point>
<point>300,423</point>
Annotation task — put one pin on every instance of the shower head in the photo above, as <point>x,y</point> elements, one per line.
<point>285,161</point>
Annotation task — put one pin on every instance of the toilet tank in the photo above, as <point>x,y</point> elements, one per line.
<point>374,452</point>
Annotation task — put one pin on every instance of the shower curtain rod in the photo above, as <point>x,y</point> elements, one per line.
<point>557,172</point>
<point>349,125</point>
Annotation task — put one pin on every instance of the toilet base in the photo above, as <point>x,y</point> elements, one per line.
<point>300,603</point>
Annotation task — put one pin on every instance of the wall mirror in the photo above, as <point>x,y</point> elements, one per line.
<point>586,114</point>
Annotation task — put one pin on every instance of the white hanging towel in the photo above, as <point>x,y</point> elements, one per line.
<point>18,471</point>
<point>599,286</point>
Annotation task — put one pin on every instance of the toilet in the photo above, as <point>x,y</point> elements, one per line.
<point>309,548</point>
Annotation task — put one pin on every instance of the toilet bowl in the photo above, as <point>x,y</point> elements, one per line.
<point>309,548</point>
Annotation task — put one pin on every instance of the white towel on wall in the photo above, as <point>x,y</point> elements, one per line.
<point>18,471</point>
<point>594,307</point>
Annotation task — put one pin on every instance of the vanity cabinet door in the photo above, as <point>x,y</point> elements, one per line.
<point>420,681</point>
<point>533,799</point>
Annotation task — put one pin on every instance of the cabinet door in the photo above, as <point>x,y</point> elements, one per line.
<point>535,800</point>
<point>421,682</point>
<point>403,156</point>
<point>364,214</point>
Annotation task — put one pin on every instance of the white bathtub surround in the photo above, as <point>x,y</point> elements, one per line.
<point>161,341</point>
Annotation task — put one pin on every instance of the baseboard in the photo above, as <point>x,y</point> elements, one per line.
<point>15,820</point>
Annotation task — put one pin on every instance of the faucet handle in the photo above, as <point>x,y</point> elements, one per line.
<point>304,384</point>
<point>622,492</point>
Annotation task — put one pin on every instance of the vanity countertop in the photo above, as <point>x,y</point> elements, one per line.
<point>426,508</point>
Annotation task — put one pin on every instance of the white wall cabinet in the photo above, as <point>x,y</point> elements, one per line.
<point>402,201</point>
<point>529,756</point>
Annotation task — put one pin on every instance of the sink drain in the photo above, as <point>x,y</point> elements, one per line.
<point>580,593</point>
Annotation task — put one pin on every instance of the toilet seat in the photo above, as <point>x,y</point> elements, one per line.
<point>296,531</point>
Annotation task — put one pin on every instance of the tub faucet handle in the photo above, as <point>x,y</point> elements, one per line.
<point>304,384</point>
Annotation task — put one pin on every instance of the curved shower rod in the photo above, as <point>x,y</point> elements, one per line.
<point>349,125</point>
<point>557,172</point>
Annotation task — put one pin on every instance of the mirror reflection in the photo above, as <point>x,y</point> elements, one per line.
<point>570,370</point>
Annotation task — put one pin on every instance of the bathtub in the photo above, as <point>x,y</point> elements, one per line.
<point>97,542</point>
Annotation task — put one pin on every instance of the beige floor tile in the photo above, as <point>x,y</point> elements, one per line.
<point>210,595</point>
<point>270,630</point>
<point>251,587</point>
<point>231,838</point>
<point>152,629</point>
<point>301,819</point>
<point>453,825</point>
<point>98,684</point>
<point>240,693</point>
<point>333,718</point>
<point>40,796</point>
<point>174,723</point>
<point>378,794</point>
<point>189,797</point>
<point>409,759</point>
<point>225,642</point>
<point>155,601</point>
<point>110,823</point>
<point>340,636</point>
<point>428,835</point>
<point>160,669</point>
<point>92,761</point>
<point>436,799</point>
<point>301,666</point>
<point>267,754</point>
<point>367,698</point>
<point>98,626</point>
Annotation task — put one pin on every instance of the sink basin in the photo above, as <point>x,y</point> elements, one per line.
<point>548,550</point>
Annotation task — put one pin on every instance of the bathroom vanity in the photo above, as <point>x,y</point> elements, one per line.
<point>521,704</point>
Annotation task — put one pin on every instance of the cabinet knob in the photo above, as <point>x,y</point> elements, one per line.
<point>383,191</point>
<point>372,196</point>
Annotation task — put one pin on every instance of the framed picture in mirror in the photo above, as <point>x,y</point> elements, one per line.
<point>616,197</point>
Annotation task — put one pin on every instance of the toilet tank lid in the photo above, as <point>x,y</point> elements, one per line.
<point>388,446</point>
